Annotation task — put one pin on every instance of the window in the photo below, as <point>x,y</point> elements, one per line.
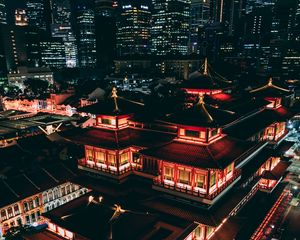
<point>50,195</point>
<point>200,180</point>
<point>229,169</point>
<point>68,187</point>
<point>106,121</point>
<point>111,159</point>
<point>33,217</point>
<point>212,179</point>
<point>63,191</point>
<point>3,215</point>
<point>214,132</point>
<point>38,215</point>
<point>37,201</point>
<point>10,212</point>
<point>25,206</point>
<point>55,192</point>
<point>31,206</point>
<point>124,158</point>
<point>100,157</point>
<point>184,176</point>
<point>209,231</point>
<point>136,158</point>
<point>16,209</point>
<point>27,219</point>
<point>191,133</point>
<point>45,197</point>
<point>169,173</point>
<point>89,155</point>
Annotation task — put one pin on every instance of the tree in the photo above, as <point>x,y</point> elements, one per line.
<point>37,86</point>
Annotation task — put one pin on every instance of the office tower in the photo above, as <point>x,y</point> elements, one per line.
<point>170,27</point>
<point>199,16</point>
<point>2,12</point>
<point>21,18</point>
<point>133,28</point>
<point>61,28</point>
<point>36,13</point>
<point>53,53</point>
<point>105,19</point>
<point>85,34</point>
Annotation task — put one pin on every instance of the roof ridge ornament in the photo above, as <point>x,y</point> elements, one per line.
<point>205,67</point>
<point>270,82</point>
<point>115,96</point>
<point>201,104</point>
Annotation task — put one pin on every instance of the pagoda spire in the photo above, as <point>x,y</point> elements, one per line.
<point>205,66</point>
<point>115,96</point>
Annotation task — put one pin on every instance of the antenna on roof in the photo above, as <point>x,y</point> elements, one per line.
<point>115,96</point>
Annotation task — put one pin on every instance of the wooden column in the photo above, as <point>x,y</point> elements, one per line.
<point>193,175</point>
<point>208,182</point>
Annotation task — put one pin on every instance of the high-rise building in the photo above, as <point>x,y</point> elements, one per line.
<point>61,28</point>
<point>85,34</point>
<point>199,16</point>
<point>170,27</point>
<point>53,54</point>
<point>105,19</point>
<point>36,13</point>
<point>21,18</point>
<point>133,28</point>
<point>2,12</point>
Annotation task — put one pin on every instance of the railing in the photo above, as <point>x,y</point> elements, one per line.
<point>191,191</point>
<point>107,169</point>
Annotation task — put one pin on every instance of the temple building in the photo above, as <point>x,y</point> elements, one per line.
<point>212,164</point>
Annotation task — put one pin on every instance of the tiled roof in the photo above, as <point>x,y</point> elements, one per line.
<point>202,115</point>
<point>73,216</point>
<point>117,139</point>
<point>215,155</point>
<point>248,127</point>
<point>107,107</point>
<point>30,183</point>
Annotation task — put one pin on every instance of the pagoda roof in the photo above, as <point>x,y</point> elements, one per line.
<point>205,78</point>
<point>250,126</point>
<point>270,90</point>
<point>201,115</point>
<point>216,155</point>
<point>120,139</point>
<point>113,106</point>
<point>72,216</point>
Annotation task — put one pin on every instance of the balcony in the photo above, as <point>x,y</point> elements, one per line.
<point>106,170</point>
<point>190,193</point>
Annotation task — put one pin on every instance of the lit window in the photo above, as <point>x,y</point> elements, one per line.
<point>169,173</point>
<point>106,121</point>
<point>183,176</point>
<point>212,179</point>
<point>89,155</point>
<point>100,157</point>
<point>124,158</point>
<point>111,159</point>
<point>190,133</point>
<point>200,180</point>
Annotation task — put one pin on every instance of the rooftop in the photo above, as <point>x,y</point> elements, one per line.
<point>216,155</point>
<point>201,115</point>
<point>117,139</point>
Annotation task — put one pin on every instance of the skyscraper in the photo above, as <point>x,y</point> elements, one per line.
<point>133,28</point>
<point>199,16</point>
<point>105,19</point>
<point>85,34</point>
<point>36,13</point>
<point>170,27</point>
<point>2,12</point>
<point>62,28</point>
